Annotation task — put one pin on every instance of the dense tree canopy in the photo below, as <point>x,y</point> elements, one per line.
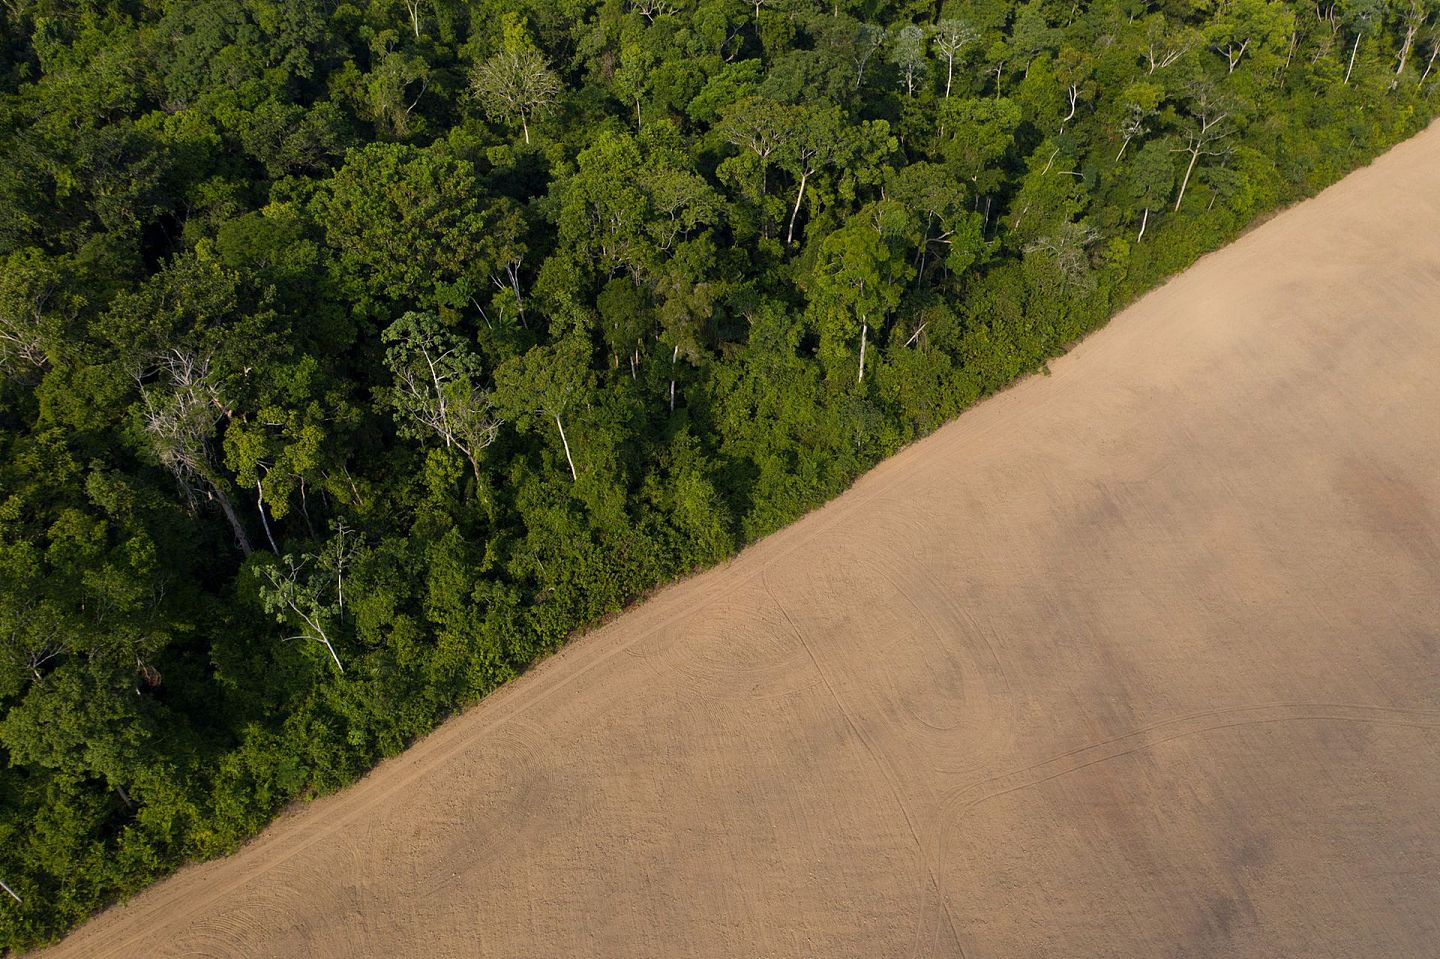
<point>353,355</point>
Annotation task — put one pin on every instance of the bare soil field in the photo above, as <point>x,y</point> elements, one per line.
<point>1138,659</point>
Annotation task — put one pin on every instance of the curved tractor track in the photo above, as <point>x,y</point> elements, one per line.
<point>1141,658</point>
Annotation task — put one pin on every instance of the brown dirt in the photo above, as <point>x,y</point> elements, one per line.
<point>1138,659</point>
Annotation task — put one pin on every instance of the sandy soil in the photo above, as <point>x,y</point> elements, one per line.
<point>1139,659</point>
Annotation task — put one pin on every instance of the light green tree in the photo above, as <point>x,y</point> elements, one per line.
<point>858,280</point>
<point>907,52</point>
<point>542,385</point>
<point>436,391</point>
<point>516,84</point>
<point>1152,177</point>
<point>951,38</point>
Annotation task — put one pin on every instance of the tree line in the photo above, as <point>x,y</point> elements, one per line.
<point>354,354</point>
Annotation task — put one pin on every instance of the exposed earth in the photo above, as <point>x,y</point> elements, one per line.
<point>1137,659</point>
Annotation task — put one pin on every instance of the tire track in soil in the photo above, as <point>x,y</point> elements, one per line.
<point>877,757</point>
<point>738,653</point>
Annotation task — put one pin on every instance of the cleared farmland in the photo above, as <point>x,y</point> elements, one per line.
<point>1140,658</point>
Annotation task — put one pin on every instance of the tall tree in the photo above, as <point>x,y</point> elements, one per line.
<point>907,52</point>
<point>516,84</point>
<point>1364,18</point>
<point>1151,179</point>
<point>858,280</point>
<point>181,406</point>
<point>543,385</point>
<point>437,391</point>
<point>951,38</point>
<point>1206,132</point>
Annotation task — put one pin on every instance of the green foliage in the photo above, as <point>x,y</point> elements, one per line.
<point>437,394</point>
<point>406,224</point>
<point>353,356</point>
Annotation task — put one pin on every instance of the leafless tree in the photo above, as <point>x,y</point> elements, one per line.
<point>1364,19</point>
<point>1205,133</point>
<point>650,9</point>
<point>1329,19</point>
<point>516,83</point>
<point>758,4</point>
<point>1434,51</point>
<point>28,300</point>
<point>1233,51</point>
<point>1132,126</point>
<point>437,390</point>
<point>339,553</point>
<point>1069,246</point>
<point>412,7</point>
<point>21,347</point>
<point>1072,94</point>
<point>1164,45</point>
<point>1412,21</point>
<point>181,408</point>
<point>869,38</point>
<point>33,635</point>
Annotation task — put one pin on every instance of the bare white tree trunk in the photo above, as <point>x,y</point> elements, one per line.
<point>324,640</point>
<point>1200,144</point>
<point>1073,92</point>
<point>1144,221</point>
<point>1353,50</point>
<point>340,557</point>
<point>574,476</point>
<point>1233,55</point>
<point>864,334</point>
<point>799,196</point>
<point>316,634</point>
<point>1160,59</point>
<point>512,272</point>
<point>673,357</point>
<point>1405,48</point>
<point>1411,22</point>
<point>331,650</point>
<point>1189,169</point>
<point>260,508</point>
<point>1431,65</point>
<point>1123,145</point>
